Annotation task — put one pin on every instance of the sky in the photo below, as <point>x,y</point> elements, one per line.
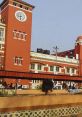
<point>56,23</point>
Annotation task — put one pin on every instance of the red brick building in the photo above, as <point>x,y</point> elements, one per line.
<point>15,43</point>
<point>17,16</point>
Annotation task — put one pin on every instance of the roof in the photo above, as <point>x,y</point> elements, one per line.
<point>79,37</point>
<point>20,1</point>
<point>69,53</point>
<point>25,3</point>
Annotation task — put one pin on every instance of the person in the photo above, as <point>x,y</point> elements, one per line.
<point>47,85</point>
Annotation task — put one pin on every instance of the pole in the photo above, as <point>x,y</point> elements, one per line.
<point>56,48</point>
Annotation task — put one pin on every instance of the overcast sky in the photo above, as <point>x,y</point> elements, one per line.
<point>56,22</point>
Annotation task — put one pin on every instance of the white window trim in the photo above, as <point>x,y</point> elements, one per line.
<point>22,34</point>
<point>18,64</point>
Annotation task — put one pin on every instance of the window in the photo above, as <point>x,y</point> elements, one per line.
<point>68,70</point>
<point>32,66</point>
<point>26,8</point>
<point>51,68</point>
<point>1,46</point>
<point>57,68</point>
<point>1,34</point>
<point>18,60</point>
<point>20,6</point>
<point>73,70</point>
<point>14,3</point>
<point>19,35</point>
<point>39,67</point>
<point>24,36</point>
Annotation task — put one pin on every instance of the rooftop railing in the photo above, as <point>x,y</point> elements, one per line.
<point>54,58</point>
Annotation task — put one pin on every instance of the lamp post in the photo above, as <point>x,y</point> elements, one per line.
<point>55,50</point>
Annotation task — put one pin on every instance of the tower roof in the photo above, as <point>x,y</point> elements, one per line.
<point>79,37</point>
<point>25,3</point>
<point>20,1</point>
<point>79,40</point>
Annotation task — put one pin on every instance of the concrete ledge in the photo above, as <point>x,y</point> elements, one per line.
<point>37,102</point>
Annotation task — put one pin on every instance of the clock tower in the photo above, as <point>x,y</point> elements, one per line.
<point>17,16</point>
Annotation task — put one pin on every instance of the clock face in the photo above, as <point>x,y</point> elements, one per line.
<point>21,16</point>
